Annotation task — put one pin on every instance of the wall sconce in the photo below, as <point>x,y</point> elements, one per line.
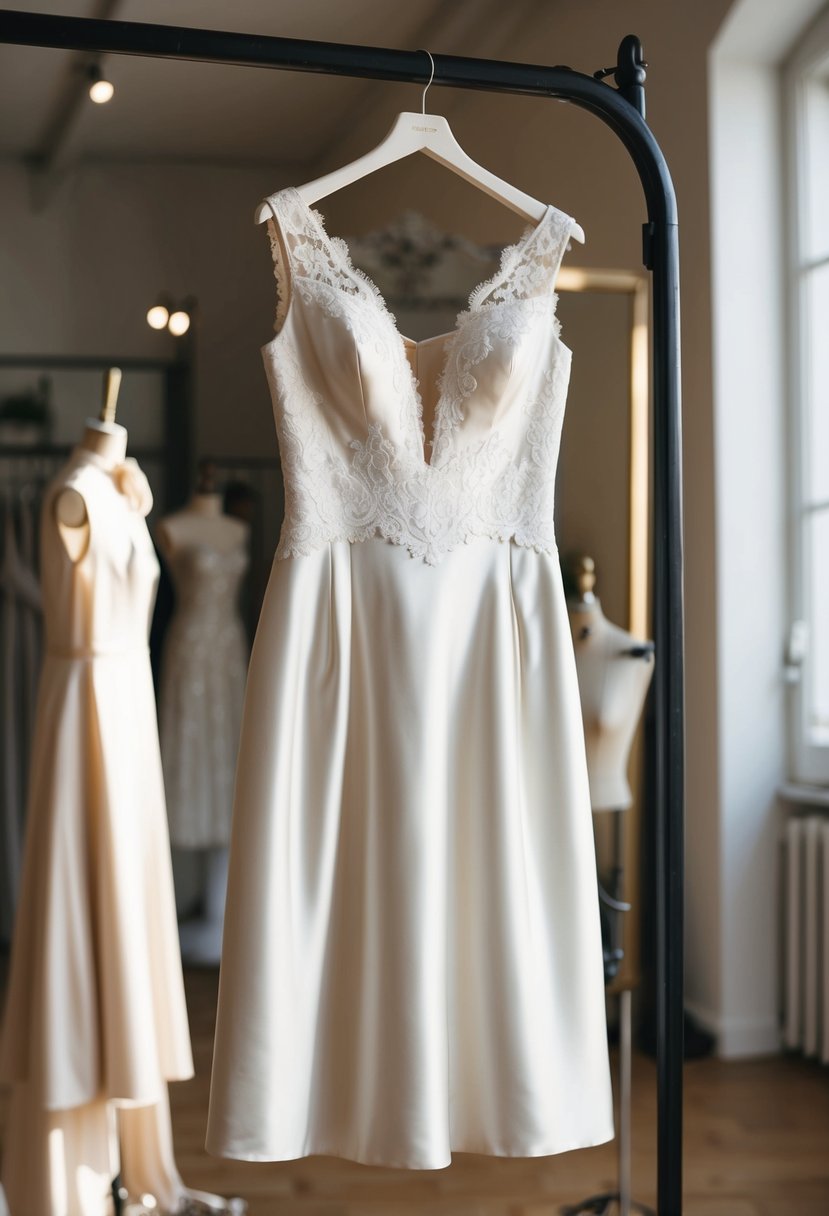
<point>174,317</point>
<point>159,314</point>
<point>101,90</point>
<point>179,322</point>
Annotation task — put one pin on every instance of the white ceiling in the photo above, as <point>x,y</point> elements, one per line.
<point>194,111</point>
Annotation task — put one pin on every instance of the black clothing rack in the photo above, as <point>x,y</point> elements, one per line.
<point>622,108</point>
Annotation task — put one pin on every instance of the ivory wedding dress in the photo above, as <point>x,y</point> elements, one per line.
<point>95,1008</point>
<point>412,958</point>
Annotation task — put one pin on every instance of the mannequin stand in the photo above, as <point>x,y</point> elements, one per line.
<point>201,936</point>
<point>620,1201</point>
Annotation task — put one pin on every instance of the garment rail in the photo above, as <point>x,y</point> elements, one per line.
<point>622,108</point>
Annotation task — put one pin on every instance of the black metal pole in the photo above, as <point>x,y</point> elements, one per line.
<point>622,110</point>
<point>661,256</point>
<point>668,718</point>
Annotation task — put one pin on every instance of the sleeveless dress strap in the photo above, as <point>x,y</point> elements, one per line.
<point>302,250</point>
<point>529,268</point>
<point>279,253</point>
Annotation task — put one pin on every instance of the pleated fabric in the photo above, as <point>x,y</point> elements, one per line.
<point>412,956</point>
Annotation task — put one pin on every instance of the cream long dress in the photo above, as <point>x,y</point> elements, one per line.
<point>412,959</point>
<point>95,1014</point>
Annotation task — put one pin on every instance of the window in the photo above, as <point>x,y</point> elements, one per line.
<point>806,140</point>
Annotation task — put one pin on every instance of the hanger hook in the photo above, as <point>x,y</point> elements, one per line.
<point>431,78</point>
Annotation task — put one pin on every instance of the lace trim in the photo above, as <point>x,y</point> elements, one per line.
<point>388,488</point>
<point>479,490</point>
<point>518,273</point>
<point>323,268</point>
<point>469,345</point>
<point>279,274</point>
<point>321,274</point>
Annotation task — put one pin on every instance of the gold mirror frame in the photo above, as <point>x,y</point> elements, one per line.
<point>635,286</point>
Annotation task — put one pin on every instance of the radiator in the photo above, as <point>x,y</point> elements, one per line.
<point>806,936</point>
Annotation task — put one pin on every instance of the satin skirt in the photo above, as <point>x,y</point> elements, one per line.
<point>412,958</point>
<point>95,1006</point>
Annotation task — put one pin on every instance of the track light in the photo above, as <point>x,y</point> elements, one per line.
<point>101,90</point>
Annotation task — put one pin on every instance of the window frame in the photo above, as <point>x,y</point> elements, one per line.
<point>808,760</point>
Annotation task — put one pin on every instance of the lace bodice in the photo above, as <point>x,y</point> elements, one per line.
<point>349,408</point>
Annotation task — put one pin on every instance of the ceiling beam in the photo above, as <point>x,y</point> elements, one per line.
<point>52,156</point>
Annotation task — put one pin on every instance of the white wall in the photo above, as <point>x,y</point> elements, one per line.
<point>78,276</point>
<point>750,558</point>
<point>733,982</point>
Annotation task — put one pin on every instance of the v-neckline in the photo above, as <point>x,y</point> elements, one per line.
<point>339,252</point>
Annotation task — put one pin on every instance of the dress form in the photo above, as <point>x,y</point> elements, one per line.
<point>203,527</point>
<point>96,1023</point>
<point>614,671</point>
<point>201,522</point>
<point>108,440</point>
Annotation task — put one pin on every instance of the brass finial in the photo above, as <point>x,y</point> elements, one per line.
<point>585,577</point>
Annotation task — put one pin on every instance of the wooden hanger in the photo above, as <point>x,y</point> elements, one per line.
<point>431,134</point>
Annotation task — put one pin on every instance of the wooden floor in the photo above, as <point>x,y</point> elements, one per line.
<point>757,1144</point>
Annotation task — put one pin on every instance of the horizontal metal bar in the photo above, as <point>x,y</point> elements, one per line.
<point>295,54</point>
<point>378,63</point>
<point>39,451</point>
<point>79,363</point>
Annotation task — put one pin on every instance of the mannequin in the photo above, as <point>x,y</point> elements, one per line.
<point>95,1023</point>
<point>205,659</point>
<point>614,671</point>
<point>109,441</point>
<point>203,520</point>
